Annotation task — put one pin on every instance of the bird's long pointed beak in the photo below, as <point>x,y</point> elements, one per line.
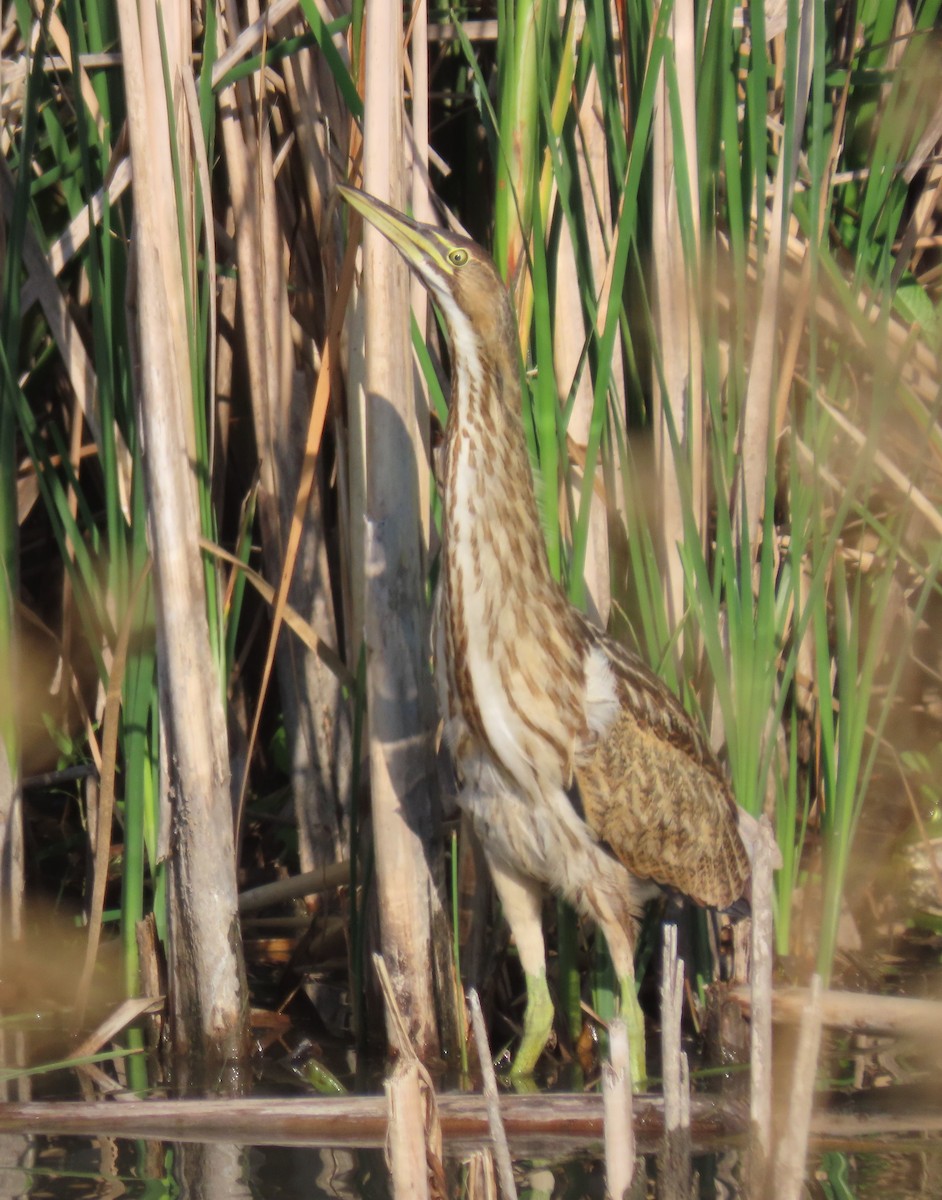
<point>420,245</point>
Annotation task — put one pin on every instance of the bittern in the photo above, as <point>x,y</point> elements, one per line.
<point>580,770</point>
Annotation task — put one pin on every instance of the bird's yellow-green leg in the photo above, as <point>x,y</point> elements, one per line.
<point>623,957</point>
<point>522,901</point>
<point>634,1020</point>
<point>537,1025</point>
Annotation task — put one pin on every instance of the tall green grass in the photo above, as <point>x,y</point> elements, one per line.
<point>763,588</point>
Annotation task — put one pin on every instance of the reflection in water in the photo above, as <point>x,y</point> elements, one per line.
<point>47,1168</point>
<point>69,1168</point>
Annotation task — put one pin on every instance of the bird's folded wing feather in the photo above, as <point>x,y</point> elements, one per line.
<point>652,790</point>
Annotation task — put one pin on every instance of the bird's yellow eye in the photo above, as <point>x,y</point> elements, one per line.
<point>458,257</point>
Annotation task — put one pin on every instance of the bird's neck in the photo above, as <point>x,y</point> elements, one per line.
<point>488,481</point>
<point>515,659</point>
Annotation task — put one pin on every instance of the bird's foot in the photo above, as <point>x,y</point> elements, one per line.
<point>634,1022</point>
<point>537,1026</point>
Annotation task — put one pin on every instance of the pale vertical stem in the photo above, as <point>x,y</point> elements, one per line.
<point>675,1074</point>
<point>263,298</point>
<point>422,211</point>
<point>672,1003</point>
<point>398,690</point>
<point>793,1147</point>
<point>569,332</point>
<point>414,1137</point>
<point>405,1141</point>
<point>355,346</point>
<point>505,1168</point>
<point>617,1110</point>
<point>481,1181</point>
<point>676,314</point>
<point>760,1097</point>
<point>685,48</point>
<point>208,1002</point>
<point>262,294</point>
<point>760,391</point>
<point>754,449</point>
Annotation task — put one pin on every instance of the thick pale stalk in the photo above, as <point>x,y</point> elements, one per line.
<point>676,312</point>
<point>569,334</point>
<point>208,1008</point>
<point>618,1109</point>
<point>760,1092</point>
<point>398,688</point>
<point>760,393</point>
<point>792,1152</point>
<point>422,210</point>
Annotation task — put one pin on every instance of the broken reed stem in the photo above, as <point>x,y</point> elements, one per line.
<point>793,1148</point>
<point>395,1022</point>
<point>480,1181</point>
<point>405,1142</point>
<point>674,1169</point>
<point>676,1102</point>
<point>617,1107</point>
<point>414,1134</point>
<point>505,1170</point>
<point>760,982</point>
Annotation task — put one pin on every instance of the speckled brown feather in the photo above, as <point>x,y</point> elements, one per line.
<point>654,793</point>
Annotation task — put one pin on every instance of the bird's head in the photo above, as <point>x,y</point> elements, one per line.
<point>460,275</point>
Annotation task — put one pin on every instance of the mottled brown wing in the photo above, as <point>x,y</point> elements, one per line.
<point>652,789</point>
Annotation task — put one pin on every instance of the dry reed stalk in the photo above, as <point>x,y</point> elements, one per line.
<point>760,971</point>
<point>398,688</point>
<point>414,1135</point>
<point>676,1103</point>
<point>674,1158</point>
<point>505,1170</point>
<point>569,336</point>
<point>759,404</point>
<point>481,1180</point>
<point>617,1107</point>
<point>309,883</point>
<point>422,210</point>
<point>405,1144</point>
<point>678,416</point>
<point>104,809</point>
<point>792,1149</point>
<point>208,1006</point>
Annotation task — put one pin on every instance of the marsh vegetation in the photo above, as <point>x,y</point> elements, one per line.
<point>219,512</point>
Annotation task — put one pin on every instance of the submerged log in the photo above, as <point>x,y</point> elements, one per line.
<point>864,1012</point>
<point>564,1122</point>
<point>558,1124</point>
